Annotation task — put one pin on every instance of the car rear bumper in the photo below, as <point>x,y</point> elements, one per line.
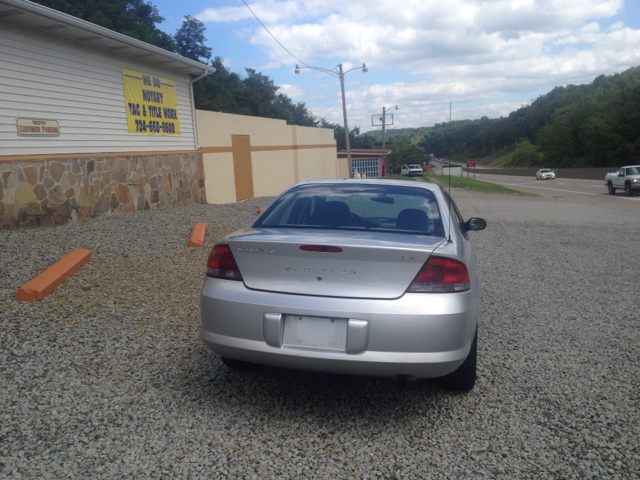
<point>422,335</point>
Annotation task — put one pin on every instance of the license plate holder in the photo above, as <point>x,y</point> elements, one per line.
<point>315,333</point>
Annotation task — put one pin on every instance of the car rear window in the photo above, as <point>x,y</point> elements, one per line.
<point>389,208</point>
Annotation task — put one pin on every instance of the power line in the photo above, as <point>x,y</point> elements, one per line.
<point>265,27</point>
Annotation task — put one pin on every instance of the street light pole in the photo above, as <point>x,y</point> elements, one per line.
<point>346,125</point>
<point>340,74</point>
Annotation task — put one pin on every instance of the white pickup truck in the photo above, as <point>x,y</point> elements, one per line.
<point>411,170</point>
<point>627,179</point>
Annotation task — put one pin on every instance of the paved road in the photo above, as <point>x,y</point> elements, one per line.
<point>591,192</point>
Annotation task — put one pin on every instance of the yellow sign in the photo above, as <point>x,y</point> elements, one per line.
<point>151,102</point>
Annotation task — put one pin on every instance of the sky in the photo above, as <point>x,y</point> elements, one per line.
<point>484,57</point>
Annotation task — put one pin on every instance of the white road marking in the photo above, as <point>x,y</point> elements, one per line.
<point>597,186</point>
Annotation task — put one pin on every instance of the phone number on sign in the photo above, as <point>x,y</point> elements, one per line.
<point>155,127</point>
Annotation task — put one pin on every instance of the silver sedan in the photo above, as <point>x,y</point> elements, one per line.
<point>362,277</point>
<point>545,174</point>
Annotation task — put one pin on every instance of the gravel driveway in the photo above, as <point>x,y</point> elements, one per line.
<point>107,377</point>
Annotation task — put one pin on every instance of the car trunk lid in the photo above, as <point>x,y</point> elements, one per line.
<point>361,265</point>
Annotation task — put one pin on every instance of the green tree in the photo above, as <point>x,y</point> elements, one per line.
<point>134,18</point>
<point>294,113</point>
<point>556,141</point>
<point>256,94</point>
<point>356,139</point>
<point>405,153</point>
<point>525,156</point>
<point>600,141</point>
<point>218,91</point>
<point>190,39</point>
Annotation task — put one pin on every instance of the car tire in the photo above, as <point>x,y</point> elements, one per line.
<point>238,364</point>
<point>627,189</point>
<point>612,191</point>
<point>464,378</point>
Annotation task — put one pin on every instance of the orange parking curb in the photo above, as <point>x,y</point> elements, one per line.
<point>197,235</point>
<point>45,283</point>
<point>261,209</point>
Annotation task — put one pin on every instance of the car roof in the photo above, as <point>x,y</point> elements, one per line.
<point>359,181</point>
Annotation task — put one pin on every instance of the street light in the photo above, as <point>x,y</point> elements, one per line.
<point>337,72</point>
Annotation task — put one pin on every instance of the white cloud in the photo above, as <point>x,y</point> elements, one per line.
<point>463,51</point>
<point>292,91</point>
<point>268,66</point>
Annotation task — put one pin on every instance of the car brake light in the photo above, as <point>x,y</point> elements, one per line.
<point>441,275</point>
<point>320,248</point>
<point>221,264</point>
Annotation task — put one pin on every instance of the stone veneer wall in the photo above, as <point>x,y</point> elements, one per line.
<point>56,192</point>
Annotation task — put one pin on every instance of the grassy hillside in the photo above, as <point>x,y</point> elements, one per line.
<point>593,125</point>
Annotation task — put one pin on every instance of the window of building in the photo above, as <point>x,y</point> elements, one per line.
<point>367,167</point>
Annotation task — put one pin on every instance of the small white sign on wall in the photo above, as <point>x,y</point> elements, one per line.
<point>37,126</point>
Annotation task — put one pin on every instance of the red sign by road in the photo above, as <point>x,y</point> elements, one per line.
<point>471,164</point>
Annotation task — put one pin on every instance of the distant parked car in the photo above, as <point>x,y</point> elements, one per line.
<point>361,277</point>
<point>411,170</point>
<point>545,174</point>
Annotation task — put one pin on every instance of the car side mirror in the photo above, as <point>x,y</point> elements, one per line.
<point>476,223</point>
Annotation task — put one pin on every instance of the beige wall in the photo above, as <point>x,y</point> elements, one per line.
<point>218,177</point>
<point>281,154</point>
<point>342,166</point>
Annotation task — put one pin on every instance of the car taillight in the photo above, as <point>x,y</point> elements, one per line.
<point>221,264</point>
<point>441,275</point>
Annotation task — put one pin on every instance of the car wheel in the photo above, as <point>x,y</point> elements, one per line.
<point>238,364</point>
<point>464,378</point>
<point>627,189</point>
<point>612,191</point>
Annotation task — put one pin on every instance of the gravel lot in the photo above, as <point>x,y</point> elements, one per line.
<point>107,377</point>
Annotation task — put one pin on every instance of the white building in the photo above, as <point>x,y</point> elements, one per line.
<point>92,122</point>
<point>95,123</point>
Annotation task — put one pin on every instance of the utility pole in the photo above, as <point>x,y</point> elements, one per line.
<point>383,118</point>
<point>337,72</point>
<point>384,151</point>
<point>346,126</point>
